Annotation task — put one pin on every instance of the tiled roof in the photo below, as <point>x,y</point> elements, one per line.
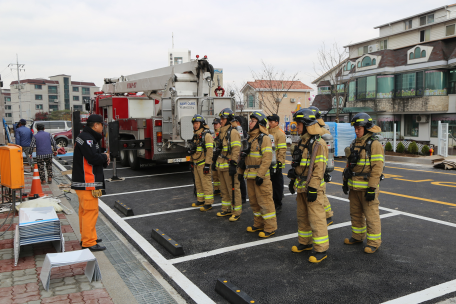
<point>322,102</point>
<point>277,84</point>
<point>324,83</point>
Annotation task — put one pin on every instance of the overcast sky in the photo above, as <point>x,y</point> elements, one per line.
<point>92,40</point>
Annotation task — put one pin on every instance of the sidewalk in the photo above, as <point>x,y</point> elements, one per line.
<point>21,284</point>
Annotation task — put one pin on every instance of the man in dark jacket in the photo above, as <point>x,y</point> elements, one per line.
<point>88,179</point>
<point>45,144</point>
<point>23,137</point>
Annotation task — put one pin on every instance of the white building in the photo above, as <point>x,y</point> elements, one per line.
<point>43,95</point>
<point>6,99</point>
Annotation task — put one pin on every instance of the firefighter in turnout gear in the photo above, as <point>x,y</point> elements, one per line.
<point>361,178</point>
<point>215,178</point>
<point>255,167</point>
<point>280,143</point>
<point>307,178</point>
<point>321,122</point>
<point>201,155</point>
<point>229,147</point>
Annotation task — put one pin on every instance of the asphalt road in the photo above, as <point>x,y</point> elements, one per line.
<point>417,253</point>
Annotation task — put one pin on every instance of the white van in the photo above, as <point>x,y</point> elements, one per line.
<point>52,126</point>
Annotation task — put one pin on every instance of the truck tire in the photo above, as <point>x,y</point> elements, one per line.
<point>62,142</point>
<point>124,161</point>
<point>134,160</point>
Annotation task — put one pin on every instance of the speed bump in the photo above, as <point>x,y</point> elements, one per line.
<point>232,293</point>
<point>123,208</point>
<point>171,245</point>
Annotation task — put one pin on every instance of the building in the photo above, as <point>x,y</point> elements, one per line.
<point>406,76</point>
<point>43,95</point>
<point>262,94</point>
<point>6,98</point>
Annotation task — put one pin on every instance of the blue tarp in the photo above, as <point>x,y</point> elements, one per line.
<point>343,134</point>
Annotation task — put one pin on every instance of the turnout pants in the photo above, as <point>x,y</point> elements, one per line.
<point>226,191</point>
<point>362,212</point>
<point>203,185</point>
<point>312,228</point>
<point>327,204</point>
<point>45,161</point>
<point>215,180</point>
<point>260,198</point>
<point>277,187</point>
<point>88,215</point>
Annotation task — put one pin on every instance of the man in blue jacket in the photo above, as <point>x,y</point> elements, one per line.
<point>23,137</point>
<point>45,144</point>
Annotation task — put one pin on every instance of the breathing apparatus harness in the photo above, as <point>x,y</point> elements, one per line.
<point>199,140</point>
<point>296,156</point>
<point>246,152</point>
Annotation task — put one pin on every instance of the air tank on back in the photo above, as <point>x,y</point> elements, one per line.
<point>330,144</point>
<point>274,158</point>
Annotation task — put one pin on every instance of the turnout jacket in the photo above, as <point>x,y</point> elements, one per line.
<point>258,156</point>
<point>317,181</point>
<point>233,143</point>
<point>203,155</point>
<point>280,141</point>
<point>372,167</point>
<point>88,161</point>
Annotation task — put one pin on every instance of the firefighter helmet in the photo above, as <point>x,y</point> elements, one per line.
<point>227,113</point>
<point>362,120</point>
<point>199,118</point>
<point>306,116</point>
<point>316,111</point>
<point>260,117</point>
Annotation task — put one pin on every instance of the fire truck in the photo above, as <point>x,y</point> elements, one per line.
<point>149,114</point>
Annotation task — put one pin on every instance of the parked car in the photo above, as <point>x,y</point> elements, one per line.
<point>52,126</point>
<point>63,138</point>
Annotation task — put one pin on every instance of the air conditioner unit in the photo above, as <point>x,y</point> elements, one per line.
<point>373,48</point>
<point>422,118</point>
<point>292,100</point>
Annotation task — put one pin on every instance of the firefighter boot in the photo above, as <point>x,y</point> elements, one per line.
<point>198,204</point>
<point>329,221</point>
<point>206,208</point>
<point>370,249</point>
<point>301,248</point>
<point>265,234</point>
<point>224,213</point>
<point>351,241</point>
<point>317,257</point>
<point>234,218</point>
<point>253,229</point>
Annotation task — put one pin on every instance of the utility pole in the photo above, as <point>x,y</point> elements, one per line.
<point>19,87</point>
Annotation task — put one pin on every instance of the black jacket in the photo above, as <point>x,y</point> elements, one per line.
<point>88,161</point>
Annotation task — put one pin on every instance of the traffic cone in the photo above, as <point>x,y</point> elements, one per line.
<point>36,184</point>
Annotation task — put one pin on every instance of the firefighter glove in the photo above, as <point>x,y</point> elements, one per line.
<point>370,194</point>
<point>291,187</point>
<point>291,173</point>
<point>279,166</point>
<point>258,181</point>
<point>233,168</point>
<point>207,169</point>
<point>240,178</point>
<point>311,194</point>
<point>345,189</point>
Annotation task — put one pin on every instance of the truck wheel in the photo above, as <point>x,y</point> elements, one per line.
<point>134,160</point>
<point>124,162</point>
<point>62,142</point>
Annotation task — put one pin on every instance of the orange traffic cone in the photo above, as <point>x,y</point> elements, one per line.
<point>36,184</point>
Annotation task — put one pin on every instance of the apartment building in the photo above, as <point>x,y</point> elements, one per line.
<point>406,76</point>
<point>46,95</point>
<point>6,98</point>
<point>257,93</point>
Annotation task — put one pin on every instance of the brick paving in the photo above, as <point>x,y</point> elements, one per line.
<point>21,283</point>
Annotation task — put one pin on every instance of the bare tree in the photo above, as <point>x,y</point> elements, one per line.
<point>331,62</point>
<point>238,96</point>
<point>273,85</point>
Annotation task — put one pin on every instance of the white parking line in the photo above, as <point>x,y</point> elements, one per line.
<point>117,169</point>
<point>256,243</point>
<point>164,212</point>
<point>426,294</point>
<point>148,190</point>
<point>152,175</point>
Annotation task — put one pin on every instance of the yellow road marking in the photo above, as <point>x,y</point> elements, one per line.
<point>408,196</point>
<point>415,181</point>
<point>443,184</point>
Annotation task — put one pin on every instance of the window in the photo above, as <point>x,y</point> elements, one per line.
<point>374,61</point>
<point>38,86</point>
<point>366,61</point>
<point>7,99</point>
<point>324,90</point>
<point>56,125</point>
<point>8,115</point>
<point>366,87</point>
<point>423,20</point>
<point>362,50</point>
<point>178,60</point>
<point>411,126</point>
<point>383,44</point>
<point>251,101</point>
<point>53,98</point>
<point>452,82</point>
<point>408,24</point>
<point>53,108</point>
<point>411,56</point>
<point>426,19</point>
<point>7,107</point>
<point>385,86</point>
<point>85,91</point>
<point>340,88</point>
<point>75,98</point>
<point>444,118</point>
<point>423,54</point>
<point>352,91</point>
<point>285,95</point>
<point>417,52</point>
<point>436,83</point>
<point>430,18</point>
<point>450,30</point>
<point>77,107</point>
<point>409,85</point>
<point>359,64</point>
<point>386,123</point>
<point>75,89</point>
<point>425,35</point>
<point>85,99</point>
<point>52,89</point>
<point>38,97</point>
<point>38,107</point>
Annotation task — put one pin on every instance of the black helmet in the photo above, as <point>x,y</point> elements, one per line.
<point>227,113</point>
<point>260,117</point>
<point>363,120</point>
<point>316,112</point>
<point>199,118</point>
<point>306,116</point>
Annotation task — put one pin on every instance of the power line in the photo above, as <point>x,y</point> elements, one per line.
<point>19,86</point>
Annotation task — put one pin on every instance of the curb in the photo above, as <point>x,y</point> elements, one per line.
<point>414,160</point>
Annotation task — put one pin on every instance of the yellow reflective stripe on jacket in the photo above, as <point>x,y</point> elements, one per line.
<point>216,183</point>
<point>281,146</point>
<point>363,162</point>
<point>235,143</point>
<point>251,175</point>
<point>266,149</point>
<point>304,162</point>
<point>359,229</point>
<point>200,194</point>
<point>321,240</point>
<point>200,163</point>
<point>377,157</point>
<point>236,208</point>
<point>222,165</point>
<point>199,149</point>
<point>209,145</point>
<point>225,148</point>
<point>257,213</point>
<point>374,236</point>
<point>358,184</point>
<point>300,184</point>
<point>255,154</point>
<point>304,233</point>
<point>328,208</point>
<point>322,184</point>
<point>320,158</point>
<point>225,203</point>
<point>269,215</point>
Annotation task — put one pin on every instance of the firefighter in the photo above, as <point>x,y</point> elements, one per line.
<point>361,178</point>
<point>215,178</point>
<point>226,164</point>
<point>307,178</point>
<point>257,160</point>
<point>201,155</point>
<point>321,122</point>
<point>242,185</point>
<point>280,141</point>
